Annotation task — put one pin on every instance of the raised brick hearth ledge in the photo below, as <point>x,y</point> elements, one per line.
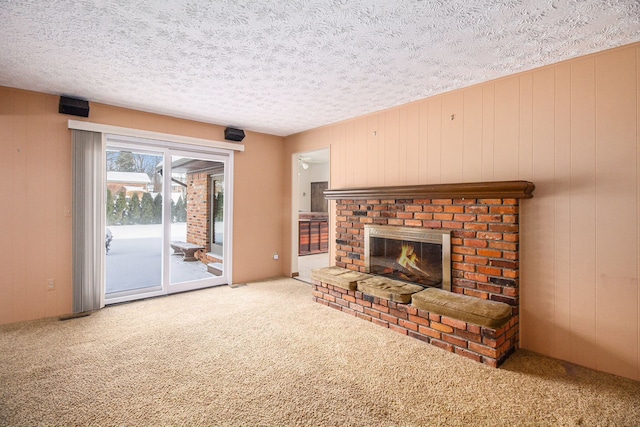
<point>483,219</point>
<point>488,345</point>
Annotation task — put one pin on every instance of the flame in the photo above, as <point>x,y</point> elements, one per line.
<point>407,257</point>
<point>409,261</point>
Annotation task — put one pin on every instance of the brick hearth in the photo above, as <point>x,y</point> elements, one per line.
<point>481,344</point>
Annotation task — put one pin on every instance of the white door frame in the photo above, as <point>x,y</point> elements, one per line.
<point>169,148</point>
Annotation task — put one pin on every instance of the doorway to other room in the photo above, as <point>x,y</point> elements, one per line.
<point>311,176</point>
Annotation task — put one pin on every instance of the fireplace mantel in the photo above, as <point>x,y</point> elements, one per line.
<point>475,190</point>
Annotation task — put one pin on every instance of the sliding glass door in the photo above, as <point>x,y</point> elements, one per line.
<point>167,219</point>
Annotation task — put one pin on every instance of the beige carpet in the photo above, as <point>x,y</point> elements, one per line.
<point>266,355</point>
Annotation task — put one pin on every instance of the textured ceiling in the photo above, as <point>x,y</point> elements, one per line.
<point>283,67</point>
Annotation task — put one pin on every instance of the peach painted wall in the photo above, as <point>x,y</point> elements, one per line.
<point>572,129</point>
<point>35,194</point>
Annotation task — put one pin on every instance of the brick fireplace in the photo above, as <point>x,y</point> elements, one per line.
<point>483,222</point>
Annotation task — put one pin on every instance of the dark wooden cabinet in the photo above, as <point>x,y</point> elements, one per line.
<point>313,237</point>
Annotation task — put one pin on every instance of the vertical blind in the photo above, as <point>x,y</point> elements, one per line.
<point>88,221</point>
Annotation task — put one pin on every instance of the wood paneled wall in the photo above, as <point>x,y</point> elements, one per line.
<point>572,129</point>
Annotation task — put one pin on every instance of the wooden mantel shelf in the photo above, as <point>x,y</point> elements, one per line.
<point>472,190</point>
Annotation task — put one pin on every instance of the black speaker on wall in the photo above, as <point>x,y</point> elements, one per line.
<point>233,134</point>
<point>73,106</point>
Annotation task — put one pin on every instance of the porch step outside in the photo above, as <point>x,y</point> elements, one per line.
<point>215,268</point>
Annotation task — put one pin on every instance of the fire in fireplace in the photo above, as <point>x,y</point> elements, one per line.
<point>416,255</point>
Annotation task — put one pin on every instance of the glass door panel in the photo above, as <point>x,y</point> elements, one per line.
<point>197,227</point>
<point>134,212</point>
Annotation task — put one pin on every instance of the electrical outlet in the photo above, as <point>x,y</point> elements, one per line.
<point>51,284</point>
<point>276,256</point>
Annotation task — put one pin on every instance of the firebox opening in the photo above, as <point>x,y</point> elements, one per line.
<point>420,256</point>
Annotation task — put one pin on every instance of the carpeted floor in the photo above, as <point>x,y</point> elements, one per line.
<point>266,355</point>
